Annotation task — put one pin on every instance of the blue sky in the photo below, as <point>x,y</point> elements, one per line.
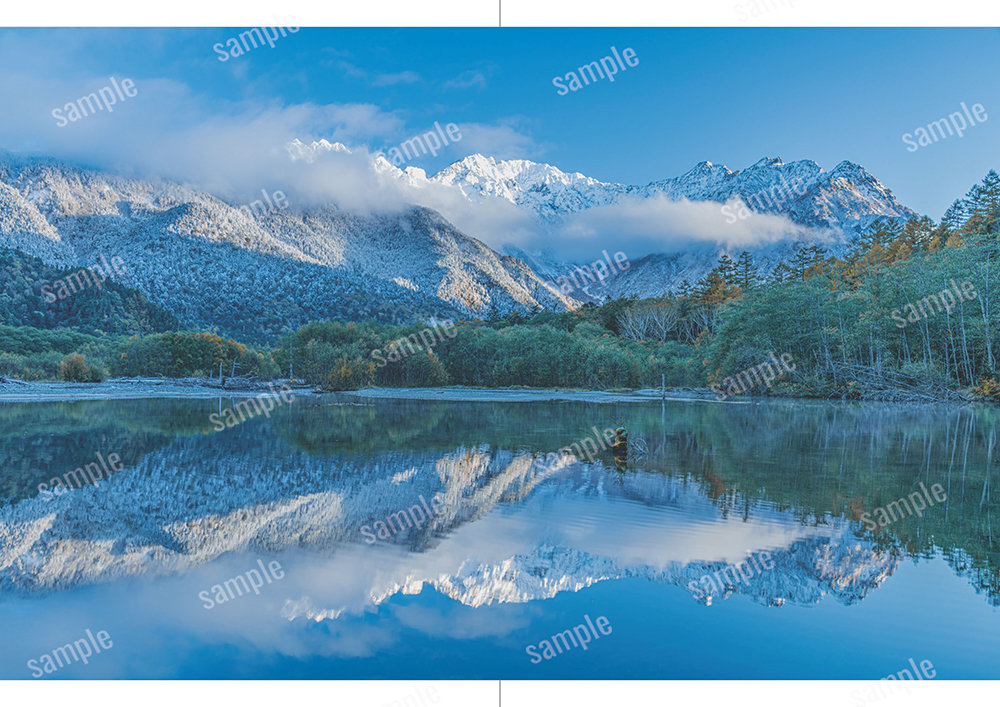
<point>730,96</point>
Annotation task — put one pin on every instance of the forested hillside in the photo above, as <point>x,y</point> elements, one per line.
<point>255,275</point>
<point>909,312</point>
<point>879,322</point>
<point>39,354</point>
<point>579,349</point>
<point>110,308</point>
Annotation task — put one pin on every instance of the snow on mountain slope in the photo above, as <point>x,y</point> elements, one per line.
<point>542,188</point>
<point>836,205</point>
<point>257,275</point>
<point>820,206</point>
<point>842,197</point>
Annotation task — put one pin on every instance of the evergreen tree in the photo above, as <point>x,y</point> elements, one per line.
<point>746,274</point>
<point>956,215</point>
<point>782,273</point>
<point>983,204</point>
<point>726,269</point>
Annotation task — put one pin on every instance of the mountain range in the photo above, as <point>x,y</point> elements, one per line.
<point>848,197</point>
<point>254,275</point>
<point>829,206</point>
<point>173,513</point>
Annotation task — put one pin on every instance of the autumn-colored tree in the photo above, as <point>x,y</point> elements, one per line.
<point>74,369</point>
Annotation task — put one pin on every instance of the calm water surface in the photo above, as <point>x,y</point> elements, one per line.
<point>521,544</point>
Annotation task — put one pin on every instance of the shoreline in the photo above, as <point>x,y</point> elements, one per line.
<point>194,388</point>
<point>17,391</point>
<point>519,395</point>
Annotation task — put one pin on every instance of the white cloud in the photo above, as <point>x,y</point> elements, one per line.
<point>233,148</point>
<point>467,79</point>
<point>508,139</point>
<point>660,225</point>
<point>638,226</point>
<point>386,79</point>
<point>236,148</point>
<point>393,79</point>
<point>351,70</point>
<point>166,130</point>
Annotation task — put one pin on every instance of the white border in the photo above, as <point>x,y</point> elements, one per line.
<point>480,13</point>
<point>515,13</point>
<point>486,693</point>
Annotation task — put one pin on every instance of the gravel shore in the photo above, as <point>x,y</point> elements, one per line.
<point>126,388</point>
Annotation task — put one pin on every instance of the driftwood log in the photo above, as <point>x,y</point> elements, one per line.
<point>893,386</point>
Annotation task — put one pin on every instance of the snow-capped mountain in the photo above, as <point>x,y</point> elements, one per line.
<point>540,188</point>
<point>848,197</point>
<point>256,274</point>
<point>834,205</point>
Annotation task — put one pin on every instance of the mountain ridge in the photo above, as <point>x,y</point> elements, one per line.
<point>480,176</point>
<point>255,276</point>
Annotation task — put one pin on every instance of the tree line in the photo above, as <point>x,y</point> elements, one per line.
<point>855,323</point>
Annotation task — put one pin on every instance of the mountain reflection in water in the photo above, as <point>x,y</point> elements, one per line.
<point>519,537</point>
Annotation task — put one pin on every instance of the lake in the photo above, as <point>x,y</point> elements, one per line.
<point>343,537</point>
